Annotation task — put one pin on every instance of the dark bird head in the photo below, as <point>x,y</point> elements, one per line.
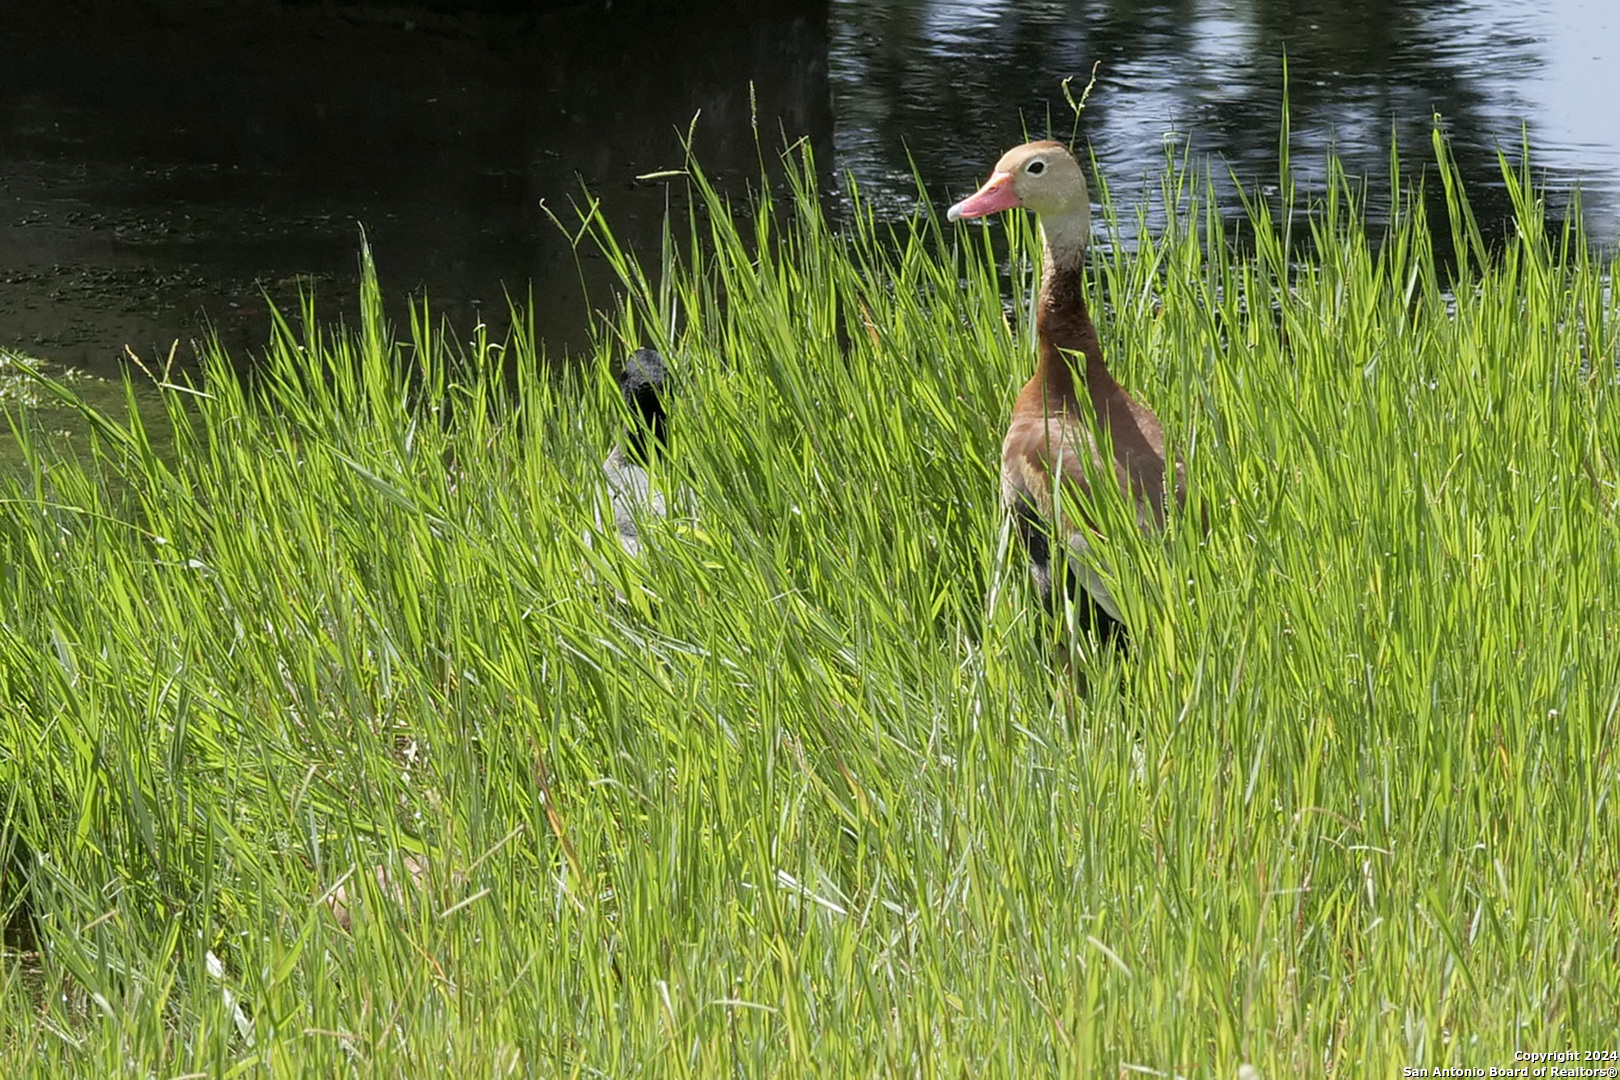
<point>641,380</point>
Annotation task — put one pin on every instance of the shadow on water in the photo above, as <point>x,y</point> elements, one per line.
<point>164,166</point>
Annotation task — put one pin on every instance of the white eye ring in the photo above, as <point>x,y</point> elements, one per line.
<point>1036,167</point>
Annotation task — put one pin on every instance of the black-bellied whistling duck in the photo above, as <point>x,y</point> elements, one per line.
<point>1051,434</point>
<point>631,493</point>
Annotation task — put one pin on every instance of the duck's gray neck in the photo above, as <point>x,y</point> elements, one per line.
<point>1064,239</point>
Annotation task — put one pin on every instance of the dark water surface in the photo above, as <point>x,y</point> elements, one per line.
<point>165,165</point>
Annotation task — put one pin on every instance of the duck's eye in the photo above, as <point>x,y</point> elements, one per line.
<point>1036,167</point>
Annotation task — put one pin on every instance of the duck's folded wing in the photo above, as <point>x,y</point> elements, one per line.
<point>1042,468</point>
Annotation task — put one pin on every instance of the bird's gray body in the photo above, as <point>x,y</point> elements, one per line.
<point>631,497</point>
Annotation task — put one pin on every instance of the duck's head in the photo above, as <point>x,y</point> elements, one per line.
<point>641,380</point>
<point>1039,176</point>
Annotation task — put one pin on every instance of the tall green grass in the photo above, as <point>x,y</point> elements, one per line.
<point>808,790</point>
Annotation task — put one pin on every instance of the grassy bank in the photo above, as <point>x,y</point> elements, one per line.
<point>802,792</point>
<point>57,426</point>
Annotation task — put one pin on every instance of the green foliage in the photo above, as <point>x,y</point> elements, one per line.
<point>807,790</point>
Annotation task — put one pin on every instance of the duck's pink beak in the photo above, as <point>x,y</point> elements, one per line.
<point>996,195</point>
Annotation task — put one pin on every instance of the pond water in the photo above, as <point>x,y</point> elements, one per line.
<point>955,81</point>
<point>170,168</point>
